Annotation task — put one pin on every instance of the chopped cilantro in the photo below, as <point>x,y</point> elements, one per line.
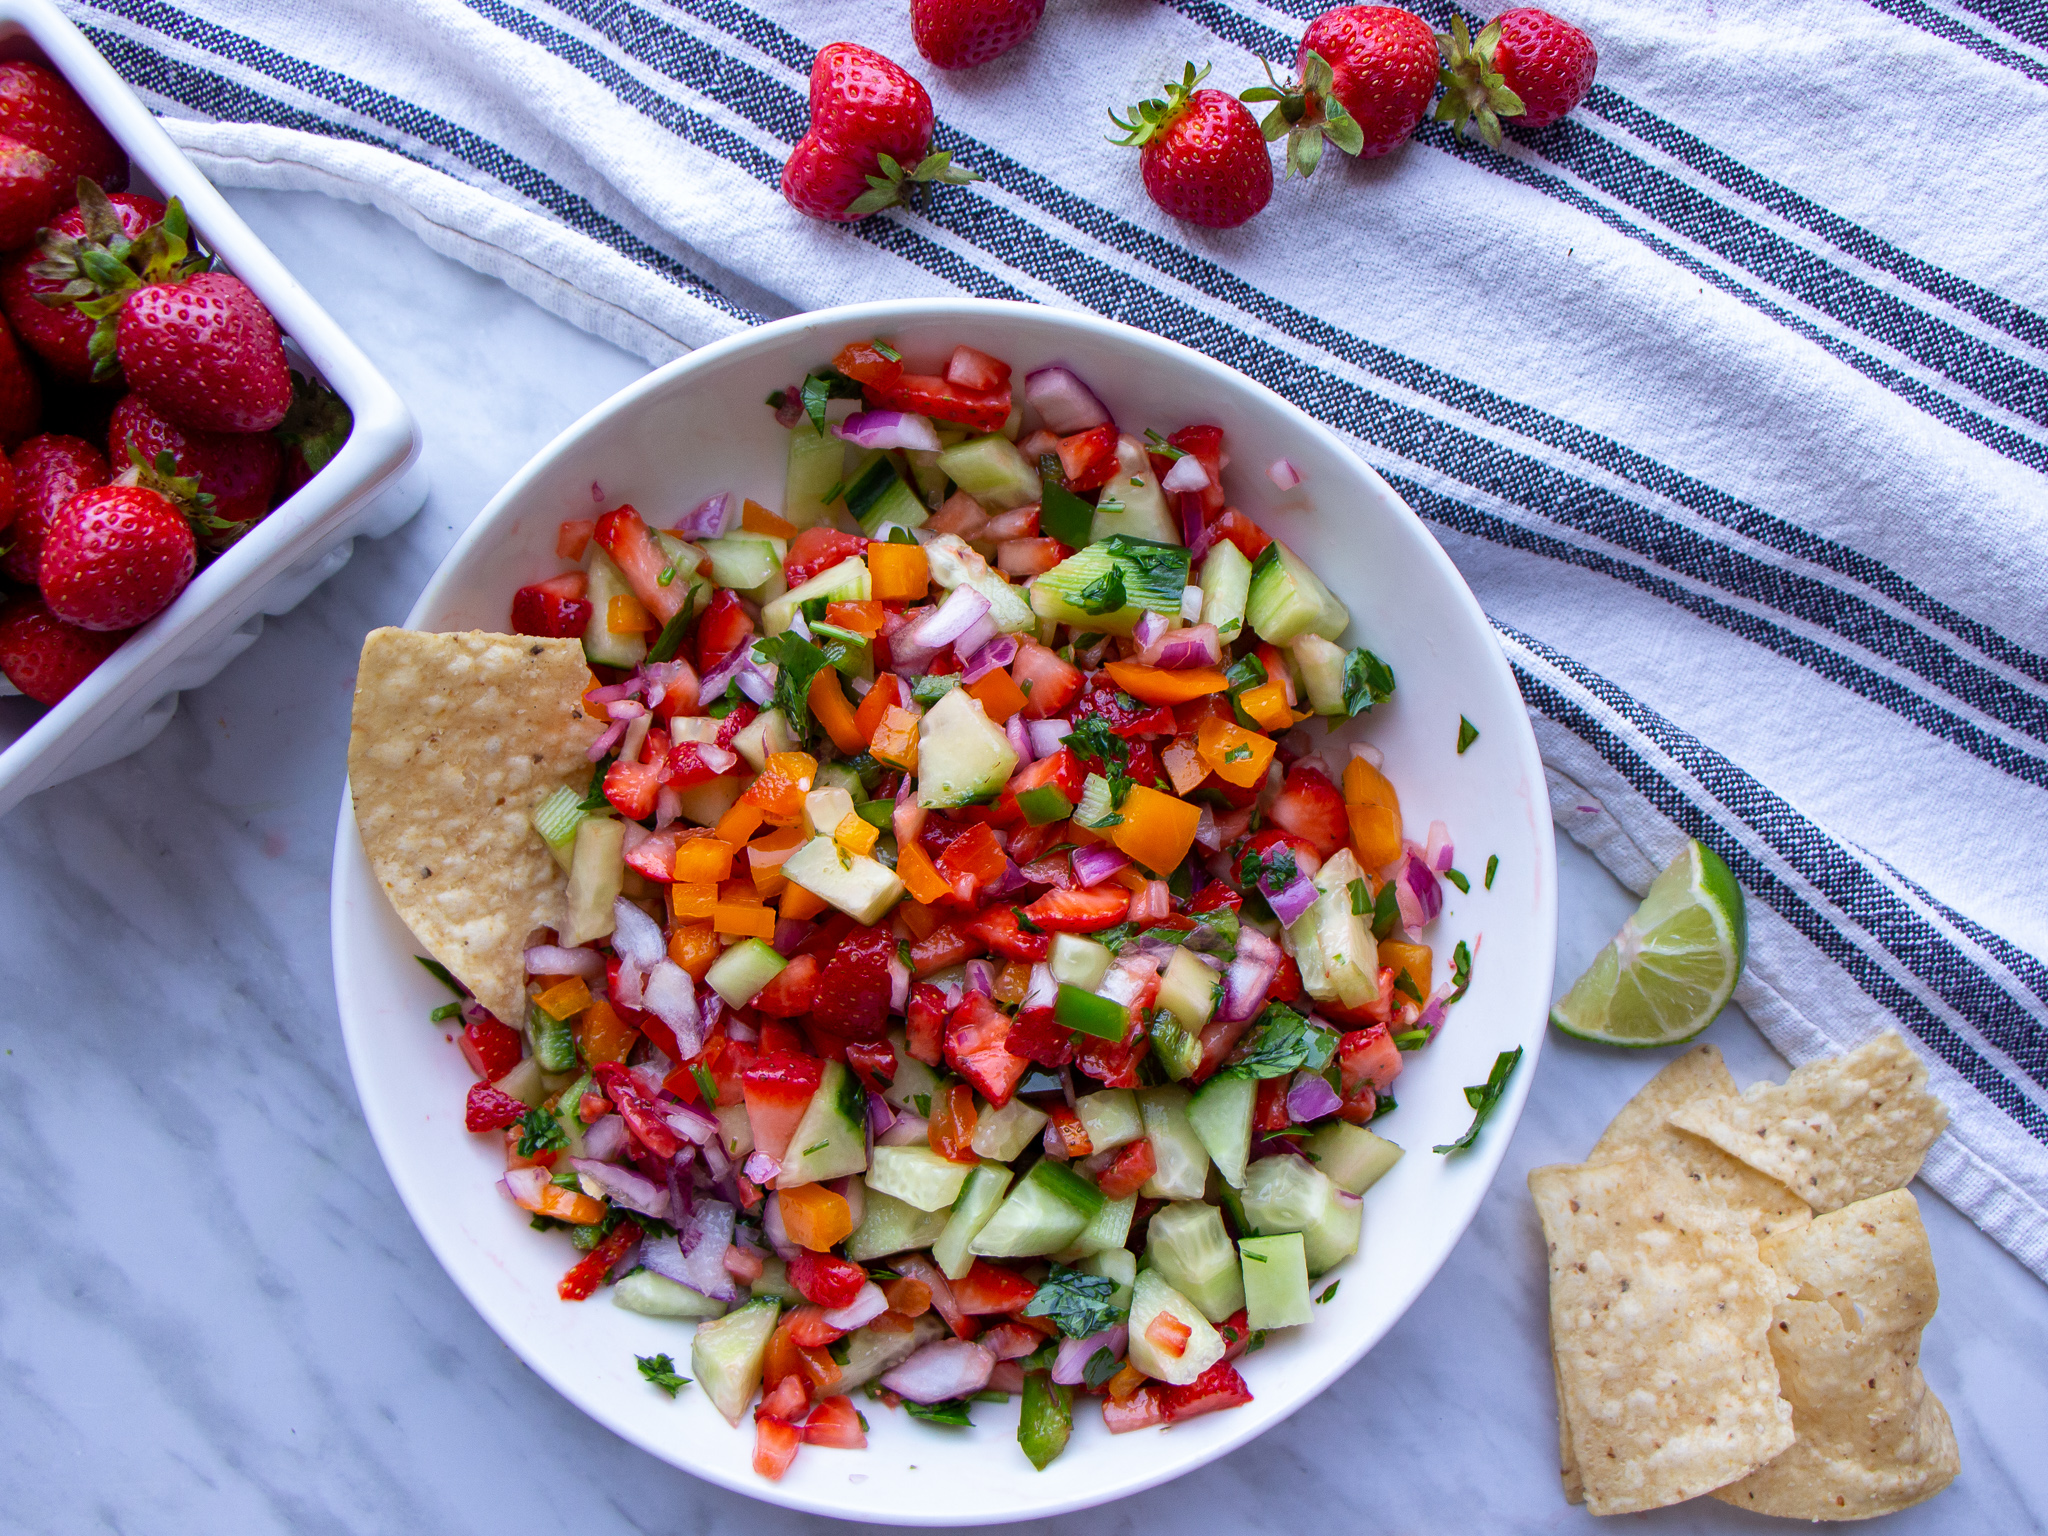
<point>1386,912</point>
<point>1328,1291</point>
<point>923,1101</point>
<point>540,1132</point>
<point>1105,594</point>
<point>1100,1367</point>
<point>1361,898</point>
<point>796,661</point>
<point>593,800</point>
<point>1458,879</point>
<point>887,351</point>
<point>671,637</point>
<point>1467,734</point>
<point>1367,681</point>
<point>1492,868</point>
<point>1411,1039</point>
<point>821,387</point>
<point>1154,443</point>
<point>661,1371</point>
<point>1078,1303</point>
<point>1483,1096</point>
<point>705,1085</point>
<point>1285,1042</point>
<point>1405,984</point>
<point>1024,922</point>
<point>1461,971</point>
<point>1237,754</point>
<point>952,1411</point>
<point>1256,1258</point>
<point>1093,738</point>
<point>817,1146</point>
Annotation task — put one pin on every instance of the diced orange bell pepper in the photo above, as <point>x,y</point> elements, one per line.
<point>755,518</point>
<point>797,902</point>
<point>625,614</point>
<point>917,917</point>
<point>855,835</point>
<point>603,1036</point>
<point>999,695</point>
<point>701,859</point>
<point>779,788</point>
<point>861,618</point>
<point>920,876</point>
<point>1415,959</point>
<point>877,702</point>
<point>1375,814</point>
<point>1183,761</point>
<point>563,1204</point>
<point>815,1217</point>
<point>828,704</point>
<point>765,856</point>
<point>693,946</point>
<point>898,573</point>
<point>1157,830</point>
<point>565,999</point>
<point>739,823</point>
<point>1267,704</point>
<point>739,892</point>
<point>1234,754</point>
<point>1012,982</point>
<point>743,922</point>
<point>1162,685</point>
<point>691,902</point>
<point>895,740</point>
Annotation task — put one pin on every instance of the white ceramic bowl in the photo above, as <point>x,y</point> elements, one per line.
<point>368,489</point>
<point>698,426</point>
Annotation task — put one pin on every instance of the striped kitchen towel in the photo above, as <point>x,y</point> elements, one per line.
<point>1729,395</point>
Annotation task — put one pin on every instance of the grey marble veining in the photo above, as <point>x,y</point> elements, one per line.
<point>216,1315</point>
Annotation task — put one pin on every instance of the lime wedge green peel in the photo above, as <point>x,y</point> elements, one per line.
<point>1673,966</point>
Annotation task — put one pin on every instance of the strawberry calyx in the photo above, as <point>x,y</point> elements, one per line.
<point>896,185</point>
<point>97,272</point>
<point>1152,117</point>
<point>1474,91</point>
<point>183,492</point>
<point>1308,113</point>
<point>316,423</point>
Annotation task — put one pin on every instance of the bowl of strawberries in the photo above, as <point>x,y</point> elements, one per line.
<point>189,441</point>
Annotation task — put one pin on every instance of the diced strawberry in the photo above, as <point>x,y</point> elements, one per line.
<point>1216,897</point>
<point>926,1021</point>
<point>1256,852</point>
<point>974,1048</point>
<point>1131,1167</point>
<point>1311,807</point>
<point>635,551</point>
<point>1114,1064</point>
<point>775,1446</point>
<point>1360,1106</point>
<point>1060,770</point>
<point>808,1328</point>
<point>989,1288</point>
<point>779,1035</point>
<point>631,788</point>
<point>490,1048</point>
<point>1237,1334</point>
<point>1054,869</point>
<point>1368,1058</point>
<point>573,537</point>
<point>835,1423</point>
<point>1141,1410</point>
<point>976,371</point>
<point>655,856</point>
<point>873,1062</point>
<point>694,762</point>
<point>1286,987</point>
<point>997,927</point>
<point>831,934</point>
<point>1216,1388</point>
<point>583,1279</point>
<point>490,1109</point>
<point>778,1089</point>
<point>643,1120</point>
<point>1088,911</point>
<point>824,1280</point>
<point>929,395</point>
<point>1010,1341</point>
<point>1269,1109</point>
<point>972,861</point>
<point>1034,1036</point>
<point>556,608</point>
<point>1168,1334</point>
<point>721,627</point>
<point>948,944</point>
<point>853,990</point>
<point>867,363</point>
<point>1065,1137</point>
<point>1088,459</point>
<point>1127,716</point>
<point>1021,559</point>
<point>793,992</point>
<point>1219,1039</point>
<point>1251,540</point>
<point>1204,444</point>
<point>819,549</point>
<point>1048,684</point>
<point>743,715</point>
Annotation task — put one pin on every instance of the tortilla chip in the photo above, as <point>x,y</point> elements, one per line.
<point>455,739</point>
<point>1835,1131</point>
<point>1872,1437</point>
<point>1659,1308</point>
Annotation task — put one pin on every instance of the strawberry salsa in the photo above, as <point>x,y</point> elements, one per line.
<point>975,981</point>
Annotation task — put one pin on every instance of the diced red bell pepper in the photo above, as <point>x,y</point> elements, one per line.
<point>778,1089</point>
<point>490,1109</point>
<point>873,1062</point>
<point>556,608</point>
<point>1114,1064</point>
<point>720,628</point>
<point>1069,1131</point>
<point>583,1280</point>
<point>853,988</point>
<point>1286,986</point>
<point>825,1280</point>
<point>1048,684</point>
<point>998,928</point>
<point>631,788</point>
<point>819,549</point>
<point>929,395</point>
<point>775,1446</point>
<point>1216,897</point>
<point>835,1423</point>
<point>947,944</point>
<point>926,1021</point>
<point>1035,1036</point>
<point>990,1288</point>
<point>1088,459</point>
<point>1131,1167</point>
<point>792,992</point>
<point>490,1048</point>
<point>974,1048</point>
<point>1217,1388</point>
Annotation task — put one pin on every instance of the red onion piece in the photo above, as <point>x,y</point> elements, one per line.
<point>1074,1354</point>
<point>981,977</point>
<point>758,685</point>
<point>611,693</point>
<point>522,1186</point>
<point>671,996</point>
<point>889,429</point>
<point>1195,531</point>
<point>703,1238</point>
<point>907,820</point>
<point>880,1115</point>
<point>1416,891</point>
<point>626,709</point>
<point>1020,740</point>
<point>1206,835</point>
<point>636,936</point>
<point>709,519</point>
<point>606,1139</point>
<point>1439,855</point>
<point>1191,605</point>
<point>943,1369</point>
<point>1431,1018</point>
<point>1062,401</point>
<point>978,635</point>
<point>558,960</point>
<point>1151,904</point>
<point>1043,990</point>
<point>1187,474</point>
<point>1250,976</point>
<point>690,1123</point>
<point>1096,863</point>
<point>627,984</point>
<point>1310,1098</point>
<point>776,1233</point>
<point>605,742</point>
<point>760,1167</point>
<point>942,625</point>
<point>739,664</point>
<point>987,657</point>
<point>916,1266</point>
<point>1292,899</point>
<point>635,1191</point>
<point>865,1307</point>
<point>1178,649</point>
<point>1046,735</point>
<point>668,805</point>
<point>899,986</point>
<point>790,933</point>
<point>906,1131</point>
<point>1151,627</point>
<point>1371,754</point>
<point>1283,474</point>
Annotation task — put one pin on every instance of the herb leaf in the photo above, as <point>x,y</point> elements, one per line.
<point>1078,1304</point>
<point>1386,912</point>
<point>797,661</point>
<point>1461,972</point>
<point>661,1371</point>
<point>1458,879</point>
<point>540,1131</point>
<point>1492,869</point>
<point>1367,681</point>
<point>1105,594</point>
<point>1467,734</point>
<point>820,387</point>
<point>1093,738</point>
<point>443,975</point>
<point>1483,1096</point>
<point>953,1411</point>
<point>1284,1043</point>
<point>1100,1367</point>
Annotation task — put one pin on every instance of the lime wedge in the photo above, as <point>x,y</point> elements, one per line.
<point>1672,967</point>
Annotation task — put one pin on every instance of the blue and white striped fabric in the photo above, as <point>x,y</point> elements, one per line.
<point>1729,395</point>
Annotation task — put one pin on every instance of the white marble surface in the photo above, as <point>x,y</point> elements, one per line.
<point>215,1314</point>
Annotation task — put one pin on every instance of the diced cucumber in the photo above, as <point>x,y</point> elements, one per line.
<point>846,582</point>
<point>1284,1194</point>
<point>871,1351</point>
<point>774,1281</point>
<point>1152,1295</point>
<point>1186,1243</point>
<point>862,887</point>
<point>524,1083</point>
<point>917,1176</point>
<point>597,873</point>
<point>744,561</point>
<point>1108,1228</point>
<point>1222,1117</point>
<point>1335,1237</point>
<point>1116,1264</point>
<point>888,1225</point>
<point>727,1354</point>
<point>825,808</point>
<point>963,757</point>
<point>926,475</point>
<point>556,819</point>
<point>1350,1156</point>
<point>1189,990</point>
<point>992,471</point>
<point>817,464</point>
<point>653,1295</point>
<point>1287,599</point>
<point>1321,665</point>
<point>684,559</point>
<point>703,804</point>
<point>1226,581</point>
<point>1111,1117</point>
<point>1000,1134</point>
<point>913,1080</point>
<point>553,1041</point>
<point>832,1138</point>
<point>1078,962</point>
<point>1275,1281</point>
<point>1047,1210</point>
<point>735,1130</point>
<point>1097,805</point>
<point>1183,1165</point>
<point>979,1197</point>
<point>600,645</point>
<point>762,737</point>
<point>884,496</point>
<point>1140,509</point>
<point>955,563</point>
<point>1083,589</point>
<point>1177,1051</point>
<point>1344,941</point>
<point>741,972</point>
<point>841,776</point>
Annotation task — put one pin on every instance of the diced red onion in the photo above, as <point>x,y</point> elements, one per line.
<point>1179,649</point>
<point>1190,604</point>
<point>1020,740</point>
<point>1096,863</point>
<point>1195,530</point>
<point>916,1266</point>
<point>942,625</point>
<point>981,977</point>
<point>1250,976</point>
<point>671,996</point>
<point>1151,904</point>
<point>757,685</point>
<point>1206,835</point>
<point>1130,978</point>
<point>608,739</point>
<point>739,666</point>
<point>907,820</point>
<point>522,1186</point>
<point>1439,855</point>
<point>1369,753</point>
<point>865,1307</point>
<point>709,519</point>
<point>889,429</point>
<point>1416,891</point>
<point>790,933</point>
<point>1292,899</point>
<point>760,1167</point>
<point>743,1264</point>
<point>559,960</point>
<point>606,1139</point>
<point>612,692</point>
<point>716,1163</point>
<point>979,634</point>
<point>1046,735</point>
<point>1150,628</point>
<point>1187,474</point>
<point>943,1369</point>
<point>1074,1354</point>
<point>668,805</point>
<point>690,1123</point>
<point>1311,1098</point>
<point>628,983</point>
<point>703,1238</point>
<point>636,936</point>
<point>773,1229</point>
<point>880,1115</point>
<point>899,984</point>
<point>635,1191</point>
<point>625,709</point>
<point>1431,1018</point>
<point>1008,883</point>
<point>987,657</point>
<point>1043,990</point>
<point>906,1131</point>
<point>1283,474</point>
<point>1062,401</point>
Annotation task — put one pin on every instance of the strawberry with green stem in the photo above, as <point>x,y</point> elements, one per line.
<point>1200,152</point>
<point>1526,65</point>
<point>1307,114</point>
<point>869,142</point>
<point>1375,65</point>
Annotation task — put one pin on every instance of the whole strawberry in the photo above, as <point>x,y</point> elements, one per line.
<point>1526,66</point>
<point>30,192</point>
<point>206,354</point>
<point>1366,72</point>
<point>116,556</point>
<point>32,283</point>
<point>48,471</point>
<point>871,125</point>
<point>41,110</point>
<point>42,655</point>
<point>1201,153</point>
<point>238,470</point>
<point>21,397</point>
<point>959,34</point>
